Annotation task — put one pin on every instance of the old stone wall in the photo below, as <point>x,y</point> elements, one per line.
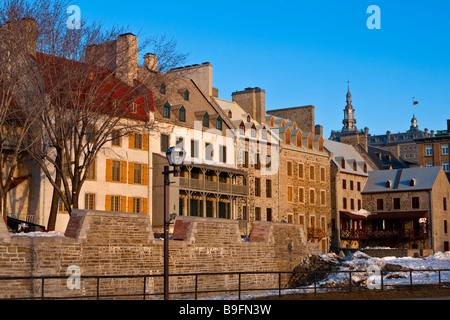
<point>113,244</point>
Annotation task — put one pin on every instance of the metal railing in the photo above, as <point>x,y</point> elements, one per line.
<point>278,277</point>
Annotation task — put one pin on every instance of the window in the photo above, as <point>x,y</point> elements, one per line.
<point>301,171</point>
<point>299,141</point>
<point>445,204</point>
<point>258,214</point>
<point>91,171</point>
<point>396,203</point>
<point>194,149</point>
<point>258,162</point>
<point>62,207</point>
<point>115,203</point>
<point>301,195</point>
<point>137,205</point>
<point>89,201</point>
<point>444,149</point>
<point>323,197</point>
<point>344,184</point>
<point>186,95</point>
<point>164,143</point>
<point>311,173</point>
<point>310,143</point>
<point>269,214</point>
<point>244,213</point>
<point>343,163</point>
<point>134,108</point>
<point>290,217</point>
<point>115,171</point>
<point>352,204</point>
<point>268,188</point>
<point>359,204</point>
<point>351,185</point>
<point>365,167</point>
<point>415,203</point>
<point>245,159</point>
<point>344,203</point>
<point>355,166</point>
<point>288,137</point>
<point>138,141</point>
<point>230,114</point>
<point>289,168</point>
<point>223,154</point>
<point>312,196</point>
<point>258,187</point>
<point>162,89</point>
<point>209,151</point>
<point>137,171</point>
<point>446,166</point>
<point>380,204</point>
<point>206,120</point>
<point>166,111</point>
<point>116,138</point>
<point>264,134</point>
<point>321,148</point>
<point>412,182</point>
<point>182,114</point>
<point>219,123</point>
<point>289,195</point>
<point>428,151</point>
<point>358,186</point>
<point>322,174</point>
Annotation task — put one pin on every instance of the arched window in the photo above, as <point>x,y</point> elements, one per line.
<point>166,110</point>
<point>310,143</point>
<point>230,114</point>
<point>321,147</point>
<point>248,118</point>
<point>219,123</point>
<point>186,95</point>
<point>182,114</point>
<point>206,120</point>
<point>299,140</point>
<point>343,163</point>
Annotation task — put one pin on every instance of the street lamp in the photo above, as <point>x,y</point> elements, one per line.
<point>175,157</point>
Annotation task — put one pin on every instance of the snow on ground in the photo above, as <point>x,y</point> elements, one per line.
<point>360,261</point>
<point>52,234</point>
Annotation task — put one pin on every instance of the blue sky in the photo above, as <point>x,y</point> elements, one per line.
<point>304,52</point>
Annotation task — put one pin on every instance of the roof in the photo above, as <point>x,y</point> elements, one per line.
<point>384,159</point>
<point>349,153</point>
<point>400,180</point>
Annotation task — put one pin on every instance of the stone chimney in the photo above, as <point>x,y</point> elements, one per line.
<point>448,126</point>
<point>202,75</point>
<point>319,130</point>
<point>151,62</point>
<point>120,57</point>
<point>253,101</point>
<point>20,35</point>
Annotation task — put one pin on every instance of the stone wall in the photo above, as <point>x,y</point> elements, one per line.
<point>104,243</point>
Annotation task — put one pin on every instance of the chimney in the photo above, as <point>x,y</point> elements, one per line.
<point>151,62</point>
<point>388,135</point>
<point>319,130</point>
<point>120,57</point>
<point>253,101</point>
<point>215,93</point>
<point>448,126</point>
<point>202,75</point>
<point>20,35</point>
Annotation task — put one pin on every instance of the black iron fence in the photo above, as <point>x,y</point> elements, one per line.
<point>279,280</point>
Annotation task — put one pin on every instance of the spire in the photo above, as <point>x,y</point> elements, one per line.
<point>349,113</point>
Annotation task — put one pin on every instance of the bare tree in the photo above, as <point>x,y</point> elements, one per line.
<point>85,95</point>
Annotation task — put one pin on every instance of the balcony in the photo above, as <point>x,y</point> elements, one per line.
<point>212,186</point>
<point>384,234</point>
<point>316,233</point>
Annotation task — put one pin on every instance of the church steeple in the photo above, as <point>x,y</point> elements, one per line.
<point>349,114</point>
<point>414,125</point>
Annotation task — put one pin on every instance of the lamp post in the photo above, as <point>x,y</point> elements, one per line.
<point>175,157</point>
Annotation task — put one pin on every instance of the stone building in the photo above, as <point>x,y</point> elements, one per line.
<point>434,151</point>
<point>304,185</point>
<point>405,208</point>
<point>349,173</point>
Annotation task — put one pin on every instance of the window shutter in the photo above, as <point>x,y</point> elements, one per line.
<point>130,172</point>
<point>130,205</point>
<point>145,175</point>
<point>124,204</point>
<point>131,140</point>
<point>145,206</point>
<point>146,142</point>
<point>124,172</point>
<point>108,203</point>
<point>108,171</point>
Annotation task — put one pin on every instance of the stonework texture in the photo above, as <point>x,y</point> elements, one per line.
<point>103,243</point>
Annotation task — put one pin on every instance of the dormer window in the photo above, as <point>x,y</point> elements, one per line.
<point>182,114</point>
<point>355,166</point>
<point>249,119</point>
<point>242,128</point>
<point>166,111</point>
<point>343,163</point>
<point>206,120</point>
<point>321,147</point>
<point>412,182</point>
<point>264,133</point>
<point>299,140</point>
<point>186,95</point>
<point>310,143</point>
<point>288,137</point>
<point>230,114</point>
<point>388,184</point>
<point>272,122</point>
<point>365,167</point>
<point>219,123</point>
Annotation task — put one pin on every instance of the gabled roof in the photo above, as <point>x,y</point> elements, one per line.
<point>425,179</point>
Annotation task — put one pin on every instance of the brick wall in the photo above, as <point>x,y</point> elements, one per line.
<point>103,243</point>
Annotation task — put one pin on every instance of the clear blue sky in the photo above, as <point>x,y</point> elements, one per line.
<point>304,52</point>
